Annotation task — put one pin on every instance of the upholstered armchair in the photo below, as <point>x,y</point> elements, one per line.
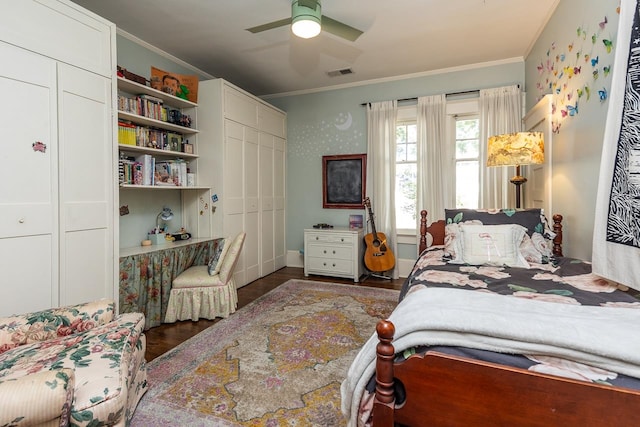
<point>79,364</point>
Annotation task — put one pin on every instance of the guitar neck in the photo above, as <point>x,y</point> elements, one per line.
<point>373,224</point>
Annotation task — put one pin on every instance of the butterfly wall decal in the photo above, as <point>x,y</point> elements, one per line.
<point>603,23</point>
<point>595,74</point>
<point>594,61</point>
<point>603,94</point>
<point>606,69</point>
<point>573,109</point>
<point>608,44</point>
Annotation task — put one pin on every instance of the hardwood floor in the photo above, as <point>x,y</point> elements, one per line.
<point>168,335</point>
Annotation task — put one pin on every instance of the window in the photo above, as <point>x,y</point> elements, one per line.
<point>406,175</point>
<point>467,160</point>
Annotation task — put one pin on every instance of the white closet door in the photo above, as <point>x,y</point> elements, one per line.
<point>279,186</point>
<point>267,261</point>
<point>251,249</point>
<point>86,186</point>
<point>28,232</point>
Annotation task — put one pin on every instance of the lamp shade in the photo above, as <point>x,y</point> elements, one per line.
<point>164,215</point>
<point>305,21</point>
<point>515,149</point>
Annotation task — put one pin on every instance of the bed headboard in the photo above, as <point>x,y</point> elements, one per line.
<point>436,230</point>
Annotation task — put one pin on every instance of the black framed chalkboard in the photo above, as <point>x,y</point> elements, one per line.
<point>344,181</point>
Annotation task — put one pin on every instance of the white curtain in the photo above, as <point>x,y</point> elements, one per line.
<point>434,189</point>
<point>381,169</point>
<point>500,112</point>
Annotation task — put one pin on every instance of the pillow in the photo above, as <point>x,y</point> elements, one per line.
<point>532,219</point>
<point>218,256</point>
<point>492,244</point>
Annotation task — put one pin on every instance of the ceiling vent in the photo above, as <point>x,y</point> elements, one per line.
<point>342,72</point>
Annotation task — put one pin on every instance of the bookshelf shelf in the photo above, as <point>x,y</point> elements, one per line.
<point>155,152</point>
<point>160,187</point>
<point>133,87</point>
<point>146,121</point>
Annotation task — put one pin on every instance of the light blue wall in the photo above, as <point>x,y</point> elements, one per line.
<point>570,34</point>
<point>314,122</point>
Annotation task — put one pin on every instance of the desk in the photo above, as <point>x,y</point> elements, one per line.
<point>146,274</point>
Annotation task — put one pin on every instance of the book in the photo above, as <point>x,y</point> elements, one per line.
<point>356,221</point>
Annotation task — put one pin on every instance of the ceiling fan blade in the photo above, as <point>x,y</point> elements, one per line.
<point>270,25</point>
<point>339,29</point>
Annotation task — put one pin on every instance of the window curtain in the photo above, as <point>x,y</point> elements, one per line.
<point>500,112</point>
<point>381,170</point>
<point>434,186</point>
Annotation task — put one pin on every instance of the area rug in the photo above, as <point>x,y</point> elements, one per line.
<point>278,361</point>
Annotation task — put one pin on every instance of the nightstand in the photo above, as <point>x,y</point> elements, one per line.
<point>337,252</point>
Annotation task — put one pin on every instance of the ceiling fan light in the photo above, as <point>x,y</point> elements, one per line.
<point>305,21</point>
<point>306,28</point>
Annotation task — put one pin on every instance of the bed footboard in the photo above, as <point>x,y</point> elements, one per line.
<point>444,390</point>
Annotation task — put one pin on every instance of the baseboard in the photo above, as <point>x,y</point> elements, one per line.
<point>296,259</point>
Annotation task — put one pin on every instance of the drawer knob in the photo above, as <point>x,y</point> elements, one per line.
<point>342,239</point>
<point>21,220</point>
<point>324,252</point>
<point>334,252</point>
<point>324,264</point>
<point>333,264</point>
<point>317,238</point>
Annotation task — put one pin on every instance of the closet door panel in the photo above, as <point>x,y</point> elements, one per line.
<point>58,31</point>
<point>27,196</point>
<point>86,180</point>
<point>267,265</point>
<point>28,230</point>
<point>279,185</point>
<point>28,273</point>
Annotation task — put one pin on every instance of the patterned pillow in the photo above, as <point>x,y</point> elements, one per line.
<point>536,246</point>
<point>531,219</point>
<point>218,257</point>
<point>493,245</point>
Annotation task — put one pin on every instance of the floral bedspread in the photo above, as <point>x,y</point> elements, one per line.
<point>564,281</point>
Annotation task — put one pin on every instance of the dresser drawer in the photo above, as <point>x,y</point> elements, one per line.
<point>332,238</point>
<point>327,251</point>
<point>330,266</point>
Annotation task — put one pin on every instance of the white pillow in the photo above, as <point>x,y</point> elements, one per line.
<point>493,244</point>
<point>218,257</point>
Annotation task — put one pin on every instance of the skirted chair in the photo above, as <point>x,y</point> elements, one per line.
<point>207,291</point>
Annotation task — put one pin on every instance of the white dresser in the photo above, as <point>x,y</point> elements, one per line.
<point>335,252</point>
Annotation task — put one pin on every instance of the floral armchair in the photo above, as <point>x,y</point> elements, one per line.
<point>78,365</point>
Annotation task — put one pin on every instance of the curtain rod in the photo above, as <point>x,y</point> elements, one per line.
<point>415,98</point>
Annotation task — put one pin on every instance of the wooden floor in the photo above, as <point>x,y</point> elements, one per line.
<point>168,335</point>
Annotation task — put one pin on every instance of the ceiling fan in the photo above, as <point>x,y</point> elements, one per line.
<point>307,21</point>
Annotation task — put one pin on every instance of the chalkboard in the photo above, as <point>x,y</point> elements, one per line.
<point>344,181</point>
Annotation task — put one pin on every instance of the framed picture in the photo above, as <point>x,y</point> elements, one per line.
<point>188,148</point>
<point>344,181</point>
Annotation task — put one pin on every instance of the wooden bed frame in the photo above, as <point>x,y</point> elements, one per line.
<point>445,390</point>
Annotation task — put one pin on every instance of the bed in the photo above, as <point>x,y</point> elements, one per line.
<point>544,343</point>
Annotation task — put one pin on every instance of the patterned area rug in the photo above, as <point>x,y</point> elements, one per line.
<point>278,361</point>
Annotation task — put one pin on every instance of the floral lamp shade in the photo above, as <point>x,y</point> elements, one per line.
<point>515,149</point>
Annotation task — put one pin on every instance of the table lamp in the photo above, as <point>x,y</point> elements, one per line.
<point>158,236</point>
<point>516,149</point>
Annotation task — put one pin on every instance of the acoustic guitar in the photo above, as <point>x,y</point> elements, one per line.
<point>377,257</point>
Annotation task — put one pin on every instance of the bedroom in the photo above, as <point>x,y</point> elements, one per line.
<point>577,145</point>
<point>580,138</point>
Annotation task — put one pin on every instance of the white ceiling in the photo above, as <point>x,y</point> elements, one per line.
<point>400,37</point>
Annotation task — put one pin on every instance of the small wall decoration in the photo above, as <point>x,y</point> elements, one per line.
<point>344,181</point>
